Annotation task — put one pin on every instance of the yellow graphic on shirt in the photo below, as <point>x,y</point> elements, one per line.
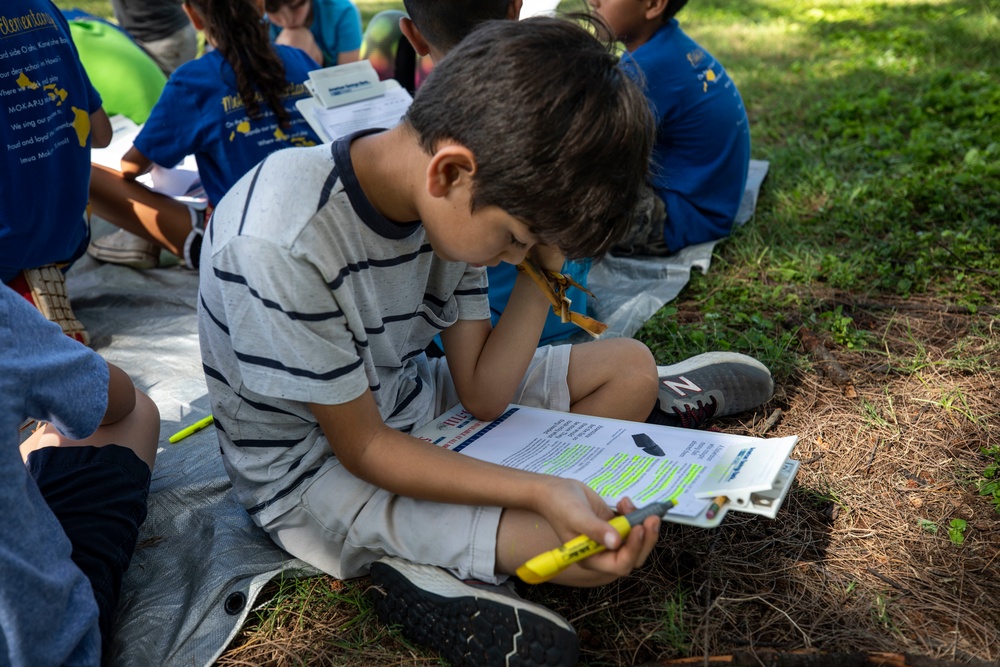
<point>242,128</point>
<point>56,94</point>
<point>295,141</point>
<point>81,123</point>
<point>24,82</point>
<point>709,78</point>
<point>695,58</point>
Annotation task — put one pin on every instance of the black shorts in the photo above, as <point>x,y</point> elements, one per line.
<point>99,496</point>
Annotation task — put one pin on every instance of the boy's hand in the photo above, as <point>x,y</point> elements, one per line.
<point>548,257</point>
<point>572,509</point>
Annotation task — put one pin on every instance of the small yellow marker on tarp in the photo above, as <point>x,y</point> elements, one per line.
<point>190,430</point>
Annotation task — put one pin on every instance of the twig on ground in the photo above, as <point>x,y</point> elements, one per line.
<point>895,584</point>
<point>871,459</point>
<point>771,421</point>
<point>825,361</point>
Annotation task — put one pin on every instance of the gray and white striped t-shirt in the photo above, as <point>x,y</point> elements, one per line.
<point>309,295</point>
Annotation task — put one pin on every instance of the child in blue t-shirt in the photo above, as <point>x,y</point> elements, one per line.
<point>74,495</point>
<point>702,151</point>
<point>230,108</point>
<point>328,30</point>
<point>50,118</point>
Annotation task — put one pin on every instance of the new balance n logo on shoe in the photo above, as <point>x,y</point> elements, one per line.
<point>680,385</point>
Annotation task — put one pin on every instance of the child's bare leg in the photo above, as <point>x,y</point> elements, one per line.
<point>522,535</point>
<point>612,378</point>
<point>139,210</point>
<point>139,431</point>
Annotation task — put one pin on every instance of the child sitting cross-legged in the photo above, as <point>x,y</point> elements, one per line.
<point>229,108</point>
<point>327,271</point>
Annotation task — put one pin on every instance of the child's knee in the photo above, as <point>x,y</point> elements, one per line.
<point>143,429</point>
<point>642,366</point>
<point>636,357</point>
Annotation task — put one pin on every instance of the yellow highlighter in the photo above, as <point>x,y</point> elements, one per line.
<point>190,430</point>
<point>547,565</point>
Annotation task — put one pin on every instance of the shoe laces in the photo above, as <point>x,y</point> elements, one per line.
<point>697,416</point>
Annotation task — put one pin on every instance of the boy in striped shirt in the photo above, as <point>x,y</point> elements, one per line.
<point>327,271</point>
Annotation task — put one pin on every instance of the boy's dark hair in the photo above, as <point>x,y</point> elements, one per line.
<point>673,6</point>
<point>444,24</point>
<point>561,135</point>
<point>244,41</point>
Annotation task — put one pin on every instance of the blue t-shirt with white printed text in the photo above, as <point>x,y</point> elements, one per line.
<point>45,104</point>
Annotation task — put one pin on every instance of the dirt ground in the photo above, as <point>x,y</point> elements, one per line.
<point>850,564</point>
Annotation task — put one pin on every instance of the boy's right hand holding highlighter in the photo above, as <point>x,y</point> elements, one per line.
<point>574,510</point>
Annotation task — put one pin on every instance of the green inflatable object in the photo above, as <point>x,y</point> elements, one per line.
<point>128,80</point>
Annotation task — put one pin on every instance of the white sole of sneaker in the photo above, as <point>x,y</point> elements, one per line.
<point>709,359</point>
<point>123,258</point>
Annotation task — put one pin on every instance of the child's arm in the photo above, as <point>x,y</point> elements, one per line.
<point>100,129</point>
<point>300,37</point>
<point>135,164</point>
<point>411,467</point>
<point>487,364</point>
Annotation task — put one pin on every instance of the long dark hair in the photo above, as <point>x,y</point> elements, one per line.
<point>241,36</point>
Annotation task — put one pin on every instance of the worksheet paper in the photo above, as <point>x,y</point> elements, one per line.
<point>646,462</point>
<point>384,111</point>
<point>181,182</point>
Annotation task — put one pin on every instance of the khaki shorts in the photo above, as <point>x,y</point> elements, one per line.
<point>342,524</point>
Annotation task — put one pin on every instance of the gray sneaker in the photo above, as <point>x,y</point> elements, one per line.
<point>126,248</point>
<point>471,624</point>
<point>710,385</point>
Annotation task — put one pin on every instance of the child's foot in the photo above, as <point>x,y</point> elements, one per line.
<point>45,289</point>
<point>470,623</point>
<point>123,247</point>
<point>710,385</point>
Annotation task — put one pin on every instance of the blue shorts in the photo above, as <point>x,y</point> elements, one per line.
<point>99,496</point>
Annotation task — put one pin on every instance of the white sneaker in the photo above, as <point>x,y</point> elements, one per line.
<point>123,247</point>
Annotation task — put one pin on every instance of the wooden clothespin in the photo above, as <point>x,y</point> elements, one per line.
<point>554,285</point>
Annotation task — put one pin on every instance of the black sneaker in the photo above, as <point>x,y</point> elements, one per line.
<point>710,385</point>
<point>470,623</point>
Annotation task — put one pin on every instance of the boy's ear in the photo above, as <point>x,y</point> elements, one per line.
<point>655,8</point>
<point>413,36</point>
<point>514,9</point>
<point>194,16</point>
<point>452,166</point>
